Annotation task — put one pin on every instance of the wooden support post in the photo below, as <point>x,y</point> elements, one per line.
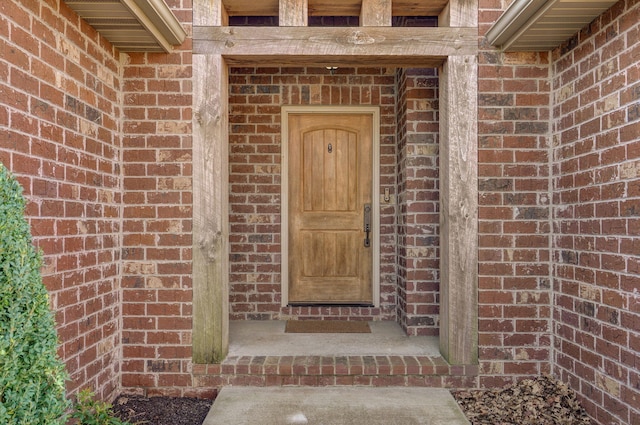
<point>459,194</point>
<point>293,13</point>
<point>375,13</point>
<point>458,210</point>
<point>210,12</point>
<point>459,13</point>
<point>210,198</point>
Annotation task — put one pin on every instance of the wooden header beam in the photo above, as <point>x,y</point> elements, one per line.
<point>424,47</point>
<point>331,7</point>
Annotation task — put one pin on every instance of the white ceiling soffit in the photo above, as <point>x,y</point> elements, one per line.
<point>132,25</point>
<point>542,25</point>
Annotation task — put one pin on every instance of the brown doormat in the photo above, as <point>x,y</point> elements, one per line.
<point>326,327</point>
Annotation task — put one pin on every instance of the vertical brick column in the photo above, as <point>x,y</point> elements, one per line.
<point>157,221</point>
<point>418,210</point>
<point>514,286</point>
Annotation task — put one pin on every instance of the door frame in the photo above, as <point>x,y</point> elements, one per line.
<point>374,112</point>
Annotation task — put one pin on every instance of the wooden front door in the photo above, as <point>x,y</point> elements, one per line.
<point>330,185</point>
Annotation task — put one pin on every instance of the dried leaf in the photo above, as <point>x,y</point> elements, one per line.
<point>540,401</point>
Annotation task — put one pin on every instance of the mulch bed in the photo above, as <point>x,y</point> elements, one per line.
<point>139,410</point>
<point>540,401</point>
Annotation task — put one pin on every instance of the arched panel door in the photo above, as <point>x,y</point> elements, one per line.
<point>330,195</point>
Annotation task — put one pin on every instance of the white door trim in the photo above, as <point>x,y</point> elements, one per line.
<point>374,111</point>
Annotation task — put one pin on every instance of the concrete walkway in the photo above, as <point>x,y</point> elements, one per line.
<point>334,406</point>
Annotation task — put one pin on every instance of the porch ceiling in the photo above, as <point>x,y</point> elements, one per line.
<point>542,25</point>
<point>334,7</point>
<point>132,25</point>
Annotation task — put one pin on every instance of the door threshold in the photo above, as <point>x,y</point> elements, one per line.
<point>357,305</point>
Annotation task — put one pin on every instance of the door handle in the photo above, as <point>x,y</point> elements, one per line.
<point>367,225</point>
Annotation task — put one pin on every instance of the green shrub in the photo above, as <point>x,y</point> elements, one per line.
<point>91,412</point>
<point>31,375</point>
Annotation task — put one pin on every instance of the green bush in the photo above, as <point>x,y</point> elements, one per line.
<point>88,411</point>
<point>31,375</point>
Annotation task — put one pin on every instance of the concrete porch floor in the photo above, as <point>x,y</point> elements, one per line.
<point>267,338</point>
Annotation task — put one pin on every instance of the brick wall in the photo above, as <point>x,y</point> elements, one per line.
<point>157,220</point>
<point>60,112</point>
<point>596,182</point>
<point>418,201</point>
<point>102,147</point>
<point>514,210</point>
<point>255,100</point>
<point>256,96</point>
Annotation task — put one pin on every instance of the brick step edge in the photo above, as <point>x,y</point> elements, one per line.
<point>340,370</point>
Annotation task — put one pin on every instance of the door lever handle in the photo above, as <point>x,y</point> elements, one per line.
<point>367,225</point>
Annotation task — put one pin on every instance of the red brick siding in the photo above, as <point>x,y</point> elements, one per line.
<point>417,201</point>
<point>596,175</point>
<point>59,120</point>
<point>256,96</point>
<point>514,297</point>
<point>558,212</point>
<point>157,221</point>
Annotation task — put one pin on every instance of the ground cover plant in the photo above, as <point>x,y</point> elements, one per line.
<point>31,375</point>
<point>89,411</point>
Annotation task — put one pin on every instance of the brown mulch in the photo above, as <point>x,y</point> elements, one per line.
<point>540,401</point>
<point>139,410</point>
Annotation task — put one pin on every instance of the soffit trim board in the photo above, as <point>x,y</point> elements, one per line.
<point>513,21</point>
<point>542,25</point>
<point>158,20</point>
<point>153,27</point>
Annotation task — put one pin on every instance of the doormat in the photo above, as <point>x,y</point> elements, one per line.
<point>326,327</point>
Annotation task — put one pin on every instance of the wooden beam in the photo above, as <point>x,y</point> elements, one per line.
<point>458,210</point>
<point>339,61</point>
<point>210,197</point>
<point>293,13</point>
<point>444,18</point>
<point>210,210</point>
<point>375,13</point>
<point>418,8</point>
<point>459,13</point>
<point>210,12</point>
<point>348,46</point>
<point>252,7</point>
<point>333,7</point>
